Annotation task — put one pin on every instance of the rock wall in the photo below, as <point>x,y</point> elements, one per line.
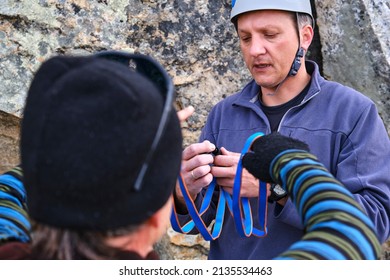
<point>355,37</point>
<point>195,42</point>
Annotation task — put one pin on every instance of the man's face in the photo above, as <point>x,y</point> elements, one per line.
<point>269,42</point>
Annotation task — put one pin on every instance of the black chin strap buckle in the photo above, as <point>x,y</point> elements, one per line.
<point>297,62</point>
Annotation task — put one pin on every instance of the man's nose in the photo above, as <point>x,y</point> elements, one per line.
<point>257,47</point>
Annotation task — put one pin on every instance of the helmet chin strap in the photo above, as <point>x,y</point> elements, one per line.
<point>296,63</point>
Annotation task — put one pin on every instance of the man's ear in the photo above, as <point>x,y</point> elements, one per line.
<point>307,34</point>
<point>161,217</point>
<point>153,220</point>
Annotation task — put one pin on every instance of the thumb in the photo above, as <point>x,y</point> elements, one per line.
<point>225,152</point>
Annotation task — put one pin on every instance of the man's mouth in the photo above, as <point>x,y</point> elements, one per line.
<point>261,66</point>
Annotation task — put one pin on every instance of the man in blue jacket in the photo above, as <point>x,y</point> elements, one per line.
<point>288,95</point>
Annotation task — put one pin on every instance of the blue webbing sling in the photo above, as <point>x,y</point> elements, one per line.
<point>239,206</point>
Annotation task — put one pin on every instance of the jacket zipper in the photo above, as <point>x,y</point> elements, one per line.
<point>296,106</point>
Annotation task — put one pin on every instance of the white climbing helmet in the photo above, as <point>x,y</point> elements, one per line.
<point>243,6</point>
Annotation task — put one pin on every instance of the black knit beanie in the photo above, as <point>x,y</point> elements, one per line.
<point>87,126</point>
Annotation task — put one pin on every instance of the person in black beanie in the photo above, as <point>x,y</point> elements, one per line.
<point>86,132</point>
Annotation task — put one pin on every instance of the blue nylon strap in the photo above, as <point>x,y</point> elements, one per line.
<point>239,206</point>
<point>262,210</point>
<point>196,215</point>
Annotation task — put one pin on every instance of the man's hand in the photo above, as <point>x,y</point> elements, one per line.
<point>224,169</point>
<point>185,113</point>
<point>195,166</point>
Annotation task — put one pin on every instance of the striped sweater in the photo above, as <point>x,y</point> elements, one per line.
<point>14,222</point>
<point>335,226</point>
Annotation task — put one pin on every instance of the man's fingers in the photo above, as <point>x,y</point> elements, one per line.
<point>197,149</point>
<point>185,113</point>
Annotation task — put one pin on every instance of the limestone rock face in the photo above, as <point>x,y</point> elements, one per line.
<point>184,36</point>
<point>9,141</point>
<point>355,39</point>
<point>195,42</point>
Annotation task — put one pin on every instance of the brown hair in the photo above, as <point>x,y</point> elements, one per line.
<point>51,243</point>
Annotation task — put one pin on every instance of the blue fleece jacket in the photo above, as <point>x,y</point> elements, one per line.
<point>342,128</point>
